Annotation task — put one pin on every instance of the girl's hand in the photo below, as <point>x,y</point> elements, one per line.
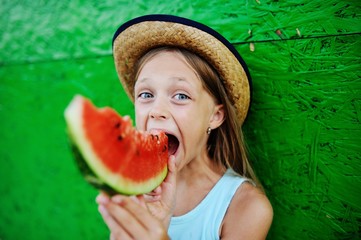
<point>161,201</point>
<point>141,217</point>
<point>128,218</point>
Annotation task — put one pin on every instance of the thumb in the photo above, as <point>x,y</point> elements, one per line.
<point>172,170</point>
<point>167,186</point>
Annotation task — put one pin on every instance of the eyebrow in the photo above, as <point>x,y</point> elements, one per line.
<point>141,80</point>
<point>180,79</point>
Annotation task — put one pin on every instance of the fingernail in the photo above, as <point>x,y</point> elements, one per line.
<point>102,199</point>
<point>102,209</point>
<point>135,199</point>
<point>117,199</point>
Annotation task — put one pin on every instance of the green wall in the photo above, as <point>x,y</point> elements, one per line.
<point>303,132</point>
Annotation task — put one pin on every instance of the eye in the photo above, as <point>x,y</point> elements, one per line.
<point>181,96</point>
<point>145,95</point>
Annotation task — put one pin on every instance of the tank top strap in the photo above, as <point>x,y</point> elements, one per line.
<point>223,194</point>
<point>204,221</point>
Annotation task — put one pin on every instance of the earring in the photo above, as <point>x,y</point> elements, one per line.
<point>209,130</point>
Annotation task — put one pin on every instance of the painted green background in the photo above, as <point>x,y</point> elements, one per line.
<point>303,132</point>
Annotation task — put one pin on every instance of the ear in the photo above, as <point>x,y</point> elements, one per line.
<point>217,117</point>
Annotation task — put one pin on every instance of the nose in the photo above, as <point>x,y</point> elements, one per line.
<point>159,111</point>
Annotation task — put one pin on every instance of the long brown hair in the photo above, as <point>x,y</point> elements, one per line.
<point>226,144</point>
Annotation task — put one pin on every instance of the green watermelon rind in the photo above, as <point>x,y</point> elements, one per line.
<point>97,174</point>
<point>89,174</point>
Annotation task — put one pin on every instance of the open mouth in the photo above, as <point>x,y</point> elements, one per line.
<point>173,144</point>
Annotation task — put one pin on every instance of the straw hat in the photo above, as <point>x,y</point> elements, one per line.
<point>136,37</point>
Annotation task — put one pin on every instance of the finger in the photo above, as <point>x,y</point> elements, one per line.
<point>126,217</point>
<point>142,215</point>
<point>171,176</point>
<point>154,195</point>
<point>102,198</point>
<point>156,191</point>
<point>141,201</point>
<point>168,183</point>
<point>116,231</point>
<point>172,165</point>
<point>154,228</point>
<point>116,236</point>
<point>172,169</point>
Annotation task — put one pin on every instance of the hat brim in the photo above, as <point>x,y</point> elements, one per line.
<point>136,37</point>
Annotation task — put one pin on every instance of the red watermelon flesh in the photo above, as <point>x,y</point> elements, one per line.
<point>117,156</point>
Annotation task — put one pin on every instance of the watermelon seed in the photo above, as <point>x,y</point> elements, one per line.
<point>120,138</point>
<point>164,148</point>
<point>158,142</point>
<point>117,125</point>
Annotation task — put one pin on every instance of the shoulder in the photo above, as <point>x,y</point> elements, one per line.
<point>249,215</point>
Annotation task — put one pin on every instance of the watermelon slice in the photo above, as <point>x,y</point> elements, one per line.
<point>111,153</point>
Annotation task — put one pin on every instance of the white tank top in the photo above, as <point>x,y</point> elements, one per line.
<point>204,221</point>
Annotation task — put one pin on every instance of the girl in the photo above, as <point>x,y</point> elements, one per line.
<point>188,81</point>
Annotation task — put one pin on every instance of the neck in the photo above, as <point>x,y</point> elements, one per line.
<point>200,167</point>
<point>194,181</point>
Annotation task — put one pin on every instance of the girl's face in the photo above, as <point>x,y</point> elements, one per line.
<point>170,97</point>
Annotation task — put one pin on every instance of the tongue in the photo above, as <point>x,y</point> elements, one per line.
<point>173,144</point>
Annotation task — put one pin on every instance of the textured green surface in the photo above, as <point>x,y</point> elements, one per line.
<point>303,132</point>
<point>43,194</point>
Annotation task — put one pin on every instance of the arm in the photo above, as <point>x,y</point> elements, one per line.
<point>249,215</point>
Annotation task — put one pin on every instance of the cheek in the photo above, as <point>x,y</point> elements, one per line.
<point>140,119</point>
